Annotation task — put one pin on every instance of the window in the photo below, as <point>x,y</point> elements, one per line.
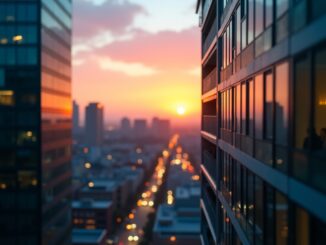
<point>259,106</point>
<point>238,28</point>
<point>301,103</point>
<point>250,206</point>
<point>268,12</point>
<point>2,77</point>
<point>243,108</point>
<point>318,8</point>
<point>281,103</point>
<point>238,108</point>
<point>281,219</point>
<point>268,105</point>
<point>320,100</point>
<point>244,34</point>
<point>259,211</point>
<point>302,227</point>
<point>259,14</point>
<point>270,215</point>
<point>251,108</point>
<point>250,21</point>
<point>281,7</point>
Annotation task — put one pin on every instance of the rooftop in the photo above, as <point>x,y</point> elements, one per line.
<point>82,236</point>
<point>87,203</point>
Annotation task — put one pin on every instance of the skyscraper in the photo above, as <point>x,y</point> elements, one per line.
<point>263,121</point>
<point>75,118</point>
<point>161,128</point>
<point>125,127</point>
<point>94,127</point>
<point>140,128</point>
<point>35,122</point>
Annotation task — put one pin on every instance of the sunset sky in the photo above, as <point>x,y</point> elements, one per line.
<point>140,58</point>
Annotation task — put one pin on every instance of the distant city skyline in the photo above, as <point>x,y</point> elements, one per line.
<point>138,58</point>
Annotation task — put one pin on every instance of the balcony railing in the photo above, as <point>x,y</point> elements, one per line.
<point>210,37</point>
<point>209,82</point>
<point>209,124</point>
<point>209,163</point>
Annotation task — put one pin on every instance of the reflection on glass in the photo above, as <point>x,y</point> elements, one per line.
<point>259,102</point>
<point>281,103</point>
<point>251,108</point>
<point>250,21</point>
<point>281,219</point>
<point>301,227</point>
<point>268,107</point>
<point>259,15</point>
<point>302,102</point>
<point>243,108</point>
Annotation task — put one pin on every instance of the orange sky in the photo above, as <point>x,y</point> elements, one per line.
<point>132,58</point>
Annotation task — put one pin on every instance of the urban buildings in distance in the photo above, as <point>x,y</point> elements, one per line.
<point>35,122</point>
<point>263,121</point>
<point>94,124</point>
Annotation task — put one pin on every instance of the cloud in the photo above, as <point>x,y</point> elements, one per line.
<point>169,50</point>
<point>130,69</point>
<point>94,17</point>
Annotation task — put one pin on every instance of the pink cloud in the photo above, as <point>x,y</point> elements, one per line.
<point>163,50</point>
<point>112,15</point>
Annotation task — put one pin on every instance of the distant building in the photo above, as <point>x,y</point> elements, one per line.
<point>75,118</point>
<point>35,122</point>
<point>93,214</point>
<point>125,127</point>
<point>94,124</point>
<point>140,128</point>
<point>179,223</point>
<point>89,237</point>
<point>263,121</point>
<point>160,128</point>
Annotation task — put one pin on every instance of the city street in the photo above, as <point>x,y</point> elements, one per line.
<point>131,231</point>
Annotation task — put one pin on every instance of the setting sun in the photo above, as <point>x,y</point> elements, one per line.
<point>181,110</point>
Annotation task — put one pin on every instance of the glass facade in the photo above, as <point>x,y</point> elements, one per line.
<point>269,143</point>
<point>35,121</point>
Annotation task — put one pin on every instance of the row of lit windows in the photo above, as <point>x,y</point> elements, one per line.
<point>20,138</point>
<point>263,212</point>
<point>18,34</point>
<point>24,179</point>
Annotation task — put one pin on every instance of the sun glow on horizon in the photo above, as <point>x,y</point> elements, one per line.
<point>181,110</point>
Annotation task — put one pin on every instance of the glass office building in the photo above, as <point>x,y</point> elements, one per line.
<point>35,122</point>
<point>263,121</point>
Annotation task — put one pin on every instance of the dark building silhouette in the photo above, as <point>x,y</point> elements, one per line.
<point>94,127</point>
<point>75,118</point>
<point>125,127</point>
<point>35,122</point>
<point>161,128</point>
<point>263,114</point>
<point>140,128</point>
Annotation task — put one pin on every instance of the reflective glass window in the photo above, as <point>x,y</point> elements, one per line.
<point>259,211</point>
<point>320,99</point>
<point>259,106</point>
<point>268,105</point>
<point>281,103</point>
<point>250,21</point>
<point>243,108</point>
<point>281,7</point>
<point>259,17</point>
<point>251,108</point>
<point>268,12</point>
<point>302,227</point>
<point>302,102</point>
<point>238,108</point>
<point>281,219</point>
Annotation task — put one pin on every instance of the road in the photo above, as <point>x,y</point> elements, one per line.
<point>131,231</point>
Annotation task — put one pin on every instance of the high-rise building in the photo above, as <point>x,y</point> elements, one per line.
<point>125,126</point>
<point>263,121</point>
<point>161,128</point>
<point>35,122</point>
<point>140,128</point>
<point>94,125</point>
<point>75,118</point>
